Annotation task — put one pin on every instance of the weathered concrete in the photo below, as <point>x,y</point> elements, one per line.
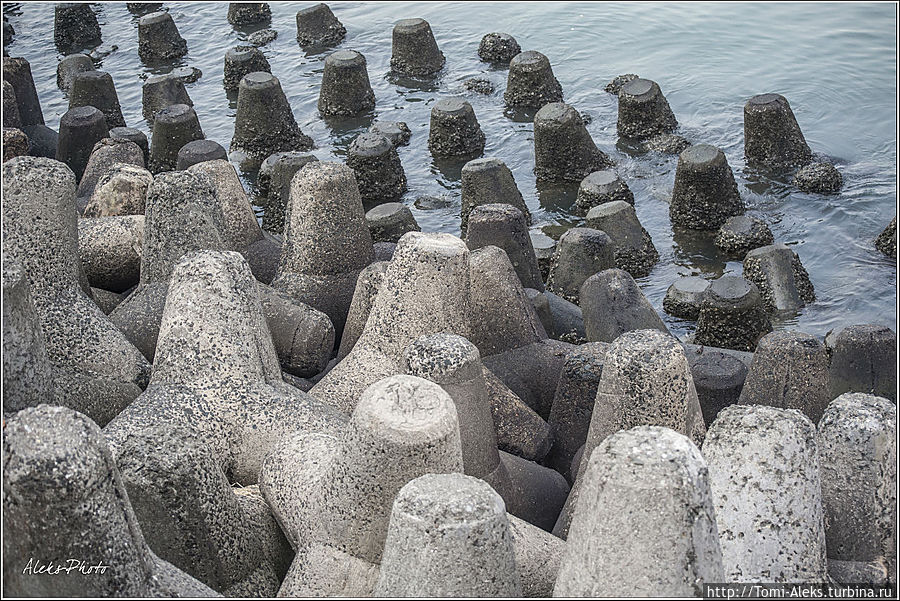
<point>705,193</point>
<point>580,253</point>
<point>789,371</point>
<point>741,234</point>
<point>498,48</point>
<point>646,494</point>
<point>612,304</point>
<point>772,137</point>
<point>97,370</point>
<point>531,83</point>
<point>317,26</point>
<point>764,477</point>
<point>345,89</point>
<point>454,130</point>
<point>563,148</point>
<point>633,248</point>
<point>326,240</point>
<point>55,458</point>
<point>448,537</point>
<point>264,123</point>
<point>601,187</point>
<point>732,315</point>
<point>414,51</point>
<point>857,440</point>
<point>643,110</point>
<point>489,181</point>
<point>158,38</point>
<point>863,359</point>
<point>631,393</point>
<point>780,276</point>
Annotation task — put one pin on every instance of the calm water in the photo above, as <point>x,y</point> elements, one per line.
<point>836,63</point>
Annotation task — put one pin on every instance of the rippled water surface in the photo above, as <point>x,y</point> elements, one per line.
<point>836,64</point>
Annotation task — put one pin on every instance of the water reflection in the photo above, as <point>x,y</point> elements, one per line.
<point>695,248</point>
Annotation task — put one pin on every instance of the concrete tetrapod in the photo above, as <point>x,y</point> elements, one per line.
<point>764,477</point>
<point>645,493</point>
<point>857,440</point>
<point>215,357</point>
<point>646,381</point>
<point>97,370</point>
<point>56,459</point>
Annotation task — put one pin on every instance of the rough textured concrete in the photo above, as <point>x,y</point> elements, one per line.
<point>158,38</point>
<point>105,154</point>
<point>97,370</point>
<point>181,216</point>
<point>646,380</point>
<point>317,26</point>
<point>96,89</point>
<point>389,221</point>
<point>132,135</point>
<point>505,227</point>
<point>162,91</point>
<point>397,132</point>
<point>718,378</point>
<point>377,166</point>
<point>646,494</point>
<point>326,240</point>
<point>448,537</point>
<point>601,187</point>
<point>764,476</point>
<point>412,302</point>
<point>612,304</point>
<point>17,71</point>
<point>173,127</point>
<point>563,148</point>
<point>632,246</point>
<point>70,66</point>
<point>75,26</point>
<point>110,249</point>
<point>732,315</point>
<point>191,516</point>
<point>705,193</point>
<point>790,371</point>
<point>199,151</point>
<point>122,190</point>
<point>857,440</point>
<point>215,357</point>
<point>55,458</point>
<point>264,123</point>
<point>886,242</point>
<point>248,13</point>
<point>240,61</point>
<point>573,404</point>
<point>863,359</point>
<point>79,130</point>
<point>340,491</point>
<point>345,89</point>
<point>820,178</point>
<point>15,143</point>
<point>498,48</point>
<point>580,253</point>
<point>368,284</point>
<point>489,181</point>
<point>274,185</point>
<point>685,296</point>
<point>531,83</point>
<point>414,51</point>
<point>780,276</point>
<point>454,130</point>
<point>772,137</point>
<point>643,110</point>
<point>741,234</point>
<point>27,373</point>
<point>11,116</point>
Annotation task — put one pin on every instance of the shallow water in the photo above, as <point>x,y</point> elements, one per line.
<point>836,64</point>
